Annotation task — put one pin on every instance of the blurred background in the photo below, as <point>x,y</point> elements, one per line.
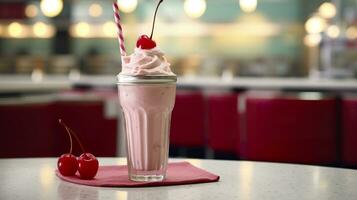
<point>269,80</point>
<point>202,37</point>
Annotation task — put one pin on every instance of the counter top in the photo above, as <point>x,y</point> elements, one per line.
<point>19,84</point>
<point>16,83</point>
<point>35,179</point>
<point>271,83</point>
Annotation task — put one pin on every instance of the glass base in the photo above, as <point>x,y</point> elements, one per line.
<point>147,178</point>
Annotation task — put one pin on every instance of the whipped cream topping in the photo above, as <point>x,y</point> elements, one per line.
<point>146,62</point>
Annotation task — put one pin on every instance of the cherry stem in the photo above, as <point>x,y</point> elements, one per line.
<point>70,137</point>
<point>71,132</point>
<point>153,22</point>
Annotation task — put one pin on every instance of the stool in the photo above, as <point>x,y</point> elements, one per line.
<point>349,131</point>
<point>26,129</point>
<point>223,123</point>
<point>290,129</point>
<point>187,122</point>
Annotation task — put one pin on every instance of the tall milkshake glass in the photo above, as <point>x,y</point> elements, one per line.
<point>147,103</point>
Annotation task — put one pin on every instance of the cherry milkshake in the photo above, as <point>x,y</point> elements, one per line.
<point>147,89</point>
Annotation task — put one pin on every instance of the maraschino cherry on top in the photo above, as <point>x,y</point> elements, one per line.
<point>87,164</point>
<point>144,41</point>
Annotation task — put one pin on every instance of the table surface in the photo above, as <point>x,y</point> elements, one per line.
<point>35,179</point>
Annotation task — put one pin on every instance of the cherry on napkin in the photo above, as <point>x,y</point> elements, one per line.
<point>178,173</point>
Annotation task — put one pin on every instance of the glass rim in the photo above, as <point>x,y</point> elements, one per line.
<point>128,79</point>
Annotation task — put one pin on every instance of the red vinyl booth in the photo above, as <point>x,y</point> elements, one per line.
<point>289,129</point>
<point>223,122</point>
<point>187,121</point>
<point>29,126</point>
<point>26,129</point>
<point>85,114</point>
<point>349,133</point>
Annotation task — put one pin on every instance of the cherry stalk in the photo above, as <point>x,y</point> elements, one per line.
<point>71,132</point>
<point>70,136</point>
<point>67,163</point>
<point>153,22</point>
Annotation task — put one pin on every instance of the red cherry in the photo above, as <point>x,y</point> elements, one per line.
<point>144,42</point>
<point>67,164</point>
<point>87,163</point>
<point>88,166</point>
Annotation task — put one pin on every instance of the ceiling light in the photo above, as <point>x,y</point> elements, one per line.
<point>51,8</point>
<point>195,8</point>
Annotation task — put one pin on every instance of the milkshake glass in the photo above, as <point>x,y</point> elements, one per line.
<point>147,100</point>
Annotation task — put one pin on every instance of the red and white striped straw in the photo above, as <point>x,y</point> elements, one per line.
<point>119,29</point>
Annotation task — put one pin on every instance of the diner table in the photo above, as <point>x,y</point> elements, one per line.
<point>34,178</point>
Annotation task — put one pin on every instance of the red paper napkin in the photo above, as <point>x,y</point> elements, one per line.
<point>117,176</point>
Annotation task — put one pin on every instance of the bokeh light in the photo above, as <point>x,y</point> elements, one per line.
<point>31,11</point>
<point>333,31</point>
<point>95,10</point>
<point>51,8</point>
<point>248,6</point>
<point>195,8</point>
<point>16,30</point>
<point>43,30</point>
<point>327,10</point>
<point>315,24</point>
<point>109,29</point>
<point>82,29</point>
<point>351,32</point>
<point>312,40</point>
<point>127,6</point>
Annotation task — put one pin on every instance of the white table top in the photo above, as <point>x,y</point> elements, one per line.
<point>35,179</point>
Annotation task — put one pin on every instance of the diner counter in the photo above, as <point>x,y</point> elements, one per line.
<point>21,83</point>
<point>34,178</point>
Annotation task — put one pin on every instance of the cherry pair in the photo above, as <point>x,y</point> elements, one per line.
<point>68,164</point>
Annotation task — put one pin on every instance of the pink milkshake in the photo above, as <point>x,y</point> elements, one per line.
<point>147,90</point>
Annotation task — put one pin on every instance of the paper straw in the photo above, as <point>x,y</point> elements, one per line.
<point>119,29</point>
